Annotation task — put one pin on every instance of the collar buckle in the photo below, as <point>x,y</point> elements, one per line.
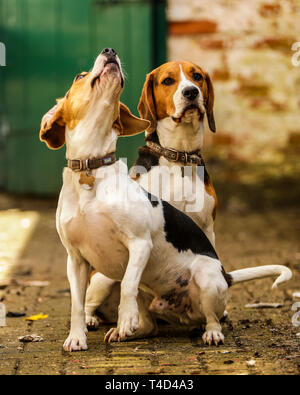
<point>174,155</point>
<point>80,167</point>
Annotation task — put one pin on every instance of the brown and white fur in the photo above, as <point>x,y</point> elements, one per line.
<point>147,245</point>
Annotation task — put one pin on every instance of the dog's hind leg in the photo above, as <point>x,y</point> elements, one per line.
<point>213,298</point>
<point>98,291</point>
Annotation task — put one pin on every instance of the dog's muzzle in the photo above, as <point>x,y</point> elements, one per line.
<point>111,56</point>
<point>111,61</point>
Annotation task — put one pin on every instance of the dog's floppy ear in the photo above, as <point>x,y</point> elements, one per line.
<point>52,130</point>
<point>146,106</point>
<point>127,124</point>
<point>209,104</point>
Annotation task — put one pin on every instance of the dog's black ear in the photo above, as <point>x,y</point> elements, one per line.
<point>146,106</point>
<point>209,104</point>
<point>127,124</point>
<point>52,130</point>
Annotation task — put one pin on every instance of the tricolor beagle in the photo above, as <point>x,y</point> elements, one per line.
<point>166,265</point>
<point>174,99</point>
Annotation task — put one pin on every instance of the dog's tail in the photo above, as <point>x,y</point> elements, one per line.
<point>284,274</point>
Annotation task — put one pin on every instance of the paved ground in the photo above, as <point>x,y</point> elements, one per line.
<point>245,237</point>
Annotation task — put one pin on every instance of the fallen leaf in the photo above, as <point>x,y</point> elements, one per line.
<point>36,317</point>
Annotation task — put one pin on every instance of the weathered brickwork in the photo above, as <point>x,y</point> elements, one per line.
<point>246,46</point>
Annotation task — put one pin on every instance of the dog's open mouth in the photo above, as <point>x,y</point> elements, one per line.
<point>190,110</point>
<point>110,64</point>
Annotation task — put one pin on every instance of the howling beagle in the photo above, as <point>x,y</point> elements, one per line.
<point>165,263</point>
<point>175,98</point>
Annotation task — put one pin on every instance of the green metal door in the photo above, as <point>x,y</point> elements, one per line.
<point>47,43</point>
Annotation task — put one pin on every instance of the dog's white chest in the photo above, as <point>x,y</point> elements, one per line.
<point>93,234</point>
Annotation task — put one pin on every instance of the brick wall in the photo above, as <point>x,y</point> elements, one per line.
<point>246,47</point>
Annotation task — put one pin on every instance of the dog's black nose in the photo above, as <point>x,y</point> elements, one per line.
<point>109,52</point>
<point>190,92</point>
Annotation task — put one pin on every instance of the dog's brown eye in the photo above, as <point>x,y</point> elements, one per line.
<point>79,76</point>
<point>197,77</point>
<point>168,81</point>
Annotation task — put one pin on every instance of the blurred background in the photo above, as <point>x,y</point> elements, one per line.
<point>49,42</point>
<point>250,50</point>
<point>246,47</point>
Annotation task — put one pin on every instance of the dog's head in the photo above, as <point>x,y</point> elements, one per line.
<point>94,100</point>
<point>179,90</point>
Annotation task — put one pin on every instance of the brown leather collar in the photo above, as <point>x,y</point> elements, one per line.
<point>177,156</point>
<point>90,164</point>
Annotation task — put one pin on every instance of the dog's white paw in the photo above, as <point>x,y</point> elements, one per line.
<point>92,322</point>
<point>75,342</point>
<point>128,326</point>
<point>213,337</point>
<point>128,322</point>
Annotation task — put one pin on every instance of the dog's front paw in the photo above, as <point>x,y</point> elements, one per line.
<point>92,322</point>
<point>75,342</point>
<point>213,337</point>
<point>128,325</point>
<point>128,322</point>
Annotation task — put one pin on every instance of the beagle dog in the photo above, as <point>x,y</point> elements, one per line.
<point>175,98</point>
<point>164,262</point>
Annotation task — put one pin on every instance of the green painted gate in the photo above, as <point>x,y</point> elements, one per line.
<point>47,43</point>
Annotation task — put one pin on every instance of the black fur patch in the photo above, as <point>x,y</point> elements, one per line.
<point>147,159</point>
<point>152,199</point>
<point>174,298</point>
<point>227,277</point>
<point>181,282</point>
<point>184,234</point>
